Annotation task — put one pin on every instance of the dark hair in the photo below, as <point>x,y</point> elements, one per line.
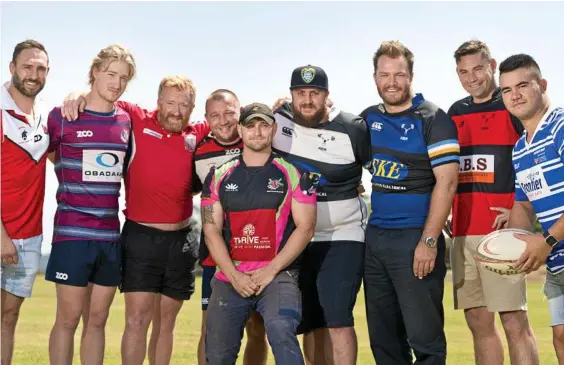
<point>394,49</point>
<point>28,44</point>
<point>517,61</point>
<point>471,47</point>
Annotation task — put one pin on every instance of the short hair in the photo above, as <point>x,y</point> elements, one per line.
<point>106,56</point>
<point>28,44</point>
<point>394,49</point>
<point>471,47</point>
<point>181,83</point>
<point>517,61</point>
<point>220,95</point>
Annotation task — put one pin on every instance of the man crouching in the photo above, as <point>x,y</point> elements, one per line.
<point>258,214</point>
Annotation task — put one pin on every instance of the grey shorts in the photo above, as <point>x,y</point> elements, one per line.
<point>554,291</point>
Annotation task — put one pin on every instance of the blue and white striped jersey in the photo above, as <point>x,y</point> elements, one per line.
<point>539,169</point>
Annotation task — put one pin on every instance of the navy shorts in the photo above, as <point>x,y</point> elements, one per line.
<point>77,263</point>
<point>207,275</point>
<point>330,278</point>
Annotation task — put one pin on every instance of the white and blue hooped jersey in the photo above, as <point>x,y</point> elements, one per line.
<point>539,170</point>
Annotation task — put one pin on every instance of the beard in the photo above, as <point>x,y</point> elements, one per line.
<point>19,85</point>
<point>172,126</point>
<point>403,98</point>
<point>312,121</point>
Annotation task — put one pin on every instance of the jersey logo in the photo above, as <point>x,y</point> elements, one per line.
<point>124,135</point>
<point>406,128</point>
<point>190,142</point>
<point>231,187</point>
<point>533,183</point>
<point>24,135</point>
<point>324,139</point>
<point>308,74</point>
<point>287,131</point>
<point>152,133</point>
<point>377,126</point>
<point>274,185</point>
<point>476,169</point>
<point>84,134</point>
<point>234,151</point>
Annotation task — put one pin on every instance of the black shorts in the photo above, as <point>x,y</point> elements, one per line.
<point>158,261</point>
<point>77,263</point>
<point>330,278</point>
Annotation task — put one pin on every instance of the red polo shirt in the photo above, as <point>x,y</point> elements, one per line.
<point>159,168</point>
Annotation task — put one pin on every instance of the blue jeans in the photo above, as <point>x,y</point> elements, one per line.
<point>404,313</point>
<point>280,307</point>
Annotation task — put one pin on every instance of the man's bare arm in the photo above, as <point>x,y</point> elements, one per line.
<point>212,224</point>
<point>522,216</point>
<point>305,217</point>
<point>441,199</point>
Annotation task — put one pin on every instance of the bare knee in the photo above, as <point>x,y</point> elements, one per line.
<point>515,324</point>
<point>481,322</point>
<point>10,316</point>
<point>137,320</point>
<point>97,320</point>
<point>68,321</point>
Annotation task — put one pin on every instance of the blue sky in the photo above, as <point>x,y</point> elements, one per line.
<point>252,47</point>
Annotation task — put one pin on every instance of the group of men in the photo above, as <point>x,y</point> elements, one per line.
<point>286,239</point>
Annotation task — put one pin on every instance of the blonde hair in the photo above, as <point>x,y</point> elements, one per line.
<point>181,83</point>
<point>394,49</point>
<point>112,53</point>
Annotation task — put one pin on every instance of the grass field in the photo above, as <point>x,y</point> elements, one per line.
<point>37,317</point>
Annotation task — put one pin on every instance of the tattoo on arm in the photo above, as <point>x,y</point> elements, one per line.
<point>207,214</point>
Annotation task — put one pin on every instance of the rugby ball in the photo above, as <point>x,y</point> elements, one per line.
<point>499,250</point>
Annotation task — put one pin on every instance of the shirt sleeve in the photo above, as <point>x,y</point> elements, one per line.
<point>558,137</point>
<point>303,190</point>
<point>202,130</point>
<point>54,128</point>
<point>131,108</point>
<point>442,140</point>
<point>209,189</point>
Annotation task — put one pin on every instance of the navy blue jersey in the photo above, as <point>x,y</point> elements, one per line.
<point>406,146</point>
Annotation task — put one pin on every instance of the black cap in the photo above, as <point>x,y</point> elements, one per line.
<point>309,76</point>
<point>256,110</point>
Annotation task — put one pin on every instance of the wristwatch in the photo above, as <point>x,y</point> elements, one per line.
<point>550,239</point>
<point>430,242</point>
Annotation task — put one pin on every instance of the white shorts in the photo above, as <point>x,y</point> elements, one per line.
<point>554,291</point>
<point>18,279</point>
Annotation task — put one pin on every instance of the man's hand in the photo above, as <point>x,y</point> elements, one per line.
<point>360,189</point>
<point>72,105</point>
<point>243,284</point>
<point>281,102</point>
<point>9,252</point>
<point>535,254</point>
<point>424,260</point>
<point>263,276</point>
<point>501,219</point>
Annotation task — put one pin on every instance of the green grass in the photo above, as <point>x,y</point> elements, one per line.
<point>37,317</point>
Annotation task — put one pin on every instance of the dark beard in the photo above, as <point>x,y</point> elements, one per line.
<point>311,122</point>
<point>19,85</point>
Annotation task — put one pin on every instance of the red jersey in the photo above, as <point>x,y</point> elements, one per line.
<point>24,158</point>
<point>159,168</point>
<point>211,153</point>
<point>487,133</point>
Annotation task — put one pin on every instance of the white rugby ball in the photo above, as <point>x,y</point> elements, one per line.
<point>499,250</point>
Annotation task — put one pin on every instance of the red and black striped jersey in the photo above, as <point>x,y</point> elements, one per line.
<point>487,133</point>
